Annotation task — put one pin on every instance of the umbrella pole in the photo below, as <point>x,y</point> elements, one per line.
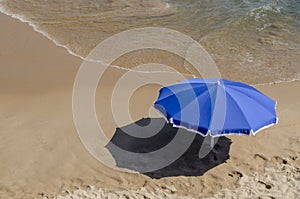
<point>212,142</point>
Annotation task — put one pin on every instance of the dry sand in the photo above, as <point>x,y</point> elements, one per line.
<point>42,156</point>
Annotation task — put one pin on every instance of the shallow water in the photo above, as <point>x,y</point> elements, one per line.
<point>252,41</point>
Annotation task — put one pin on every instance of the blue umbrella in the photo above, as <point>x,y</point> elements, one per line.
<point>216,107</point>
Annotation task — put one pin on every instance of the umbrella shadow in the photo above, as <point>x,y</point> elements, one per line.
<point>188,164</point>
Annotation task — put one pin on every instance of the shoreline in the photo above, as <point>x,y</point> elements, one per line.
<point>45,34</point>
<point>35,28</point>
<point>43,156</point>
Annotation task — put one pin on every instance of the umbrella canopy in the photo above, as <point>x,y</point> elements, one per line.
<point>216,107</point>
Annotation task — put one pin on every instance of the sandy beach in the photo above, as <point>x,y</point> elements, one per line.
<point>43,157</point>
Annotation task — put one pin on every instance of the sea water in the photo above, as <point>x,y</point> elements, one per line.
<point>256,41</point>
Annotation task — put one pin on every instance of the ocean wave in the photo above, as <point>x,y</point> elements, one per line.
<point>263,12</point>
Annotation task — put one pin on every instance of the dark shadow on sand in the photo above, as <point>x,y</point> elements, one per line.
<point>189,164</point>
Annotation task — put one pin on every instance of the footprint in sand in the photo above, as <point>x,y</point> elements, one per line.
<point>236,175</point>
<point>278,160</point>
<point>267,185</point>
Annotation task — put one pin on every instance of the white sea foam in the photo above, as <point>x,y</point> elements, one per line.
<point>279,81</point>
<point>260,12</point>
<point>36,28</point>
<point>23,19</point>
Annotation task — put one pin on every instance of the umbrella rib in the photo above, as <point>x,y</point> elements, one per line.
<point>242,85</point>
<point>178,92</point>
<point>197,85</point>
<point>181,108</point>
<point>234,101</point>
<point>257,102</point>
<point>234,87</point>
